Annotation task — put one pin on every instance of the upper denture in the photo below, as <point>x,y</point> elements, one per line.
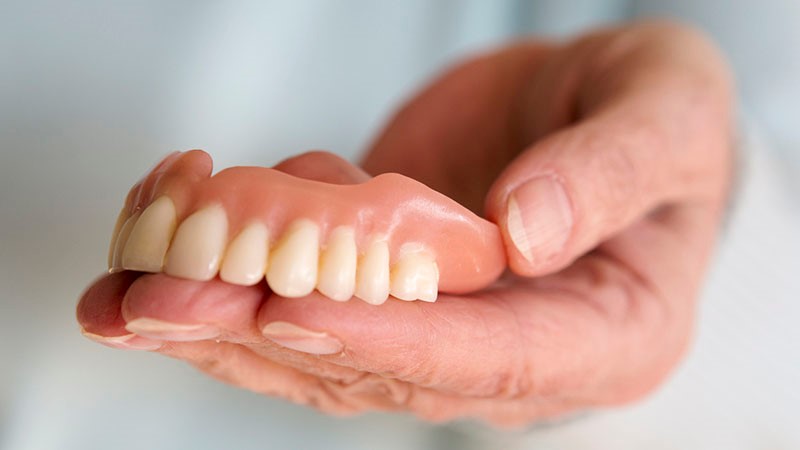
<point>223,222</point>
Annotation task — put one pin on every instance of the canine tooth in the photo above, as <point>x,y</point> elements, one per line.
<point>198,246</point>
<point>246,259</point>
<point>122,239</point>
<point>294,261</point>
<point>121,218</point>
<point>415,277</point>
<point>337,265</point>
<point>149,239</point>
<point>372,277</point>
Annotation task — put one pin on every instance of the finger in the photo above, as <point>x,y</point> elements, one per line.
<point>458,133</point>
<point>652,131</point>
<point>596,333</point>
<point>100,317</point>
<point>243,367</point>
<point>323,166</point>
<point>235,364</point>
<point>162,307</point>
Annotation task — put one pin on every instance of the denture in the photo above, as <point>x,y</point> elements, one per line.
<point>390,236</point>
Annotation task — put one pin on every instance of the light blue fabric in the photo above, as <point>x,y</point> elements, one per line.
<point>93,92</point>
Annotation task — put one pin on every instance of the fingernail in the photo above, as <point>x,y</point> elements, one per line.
<point>297,338</point>
<point>170,331</point>
<point>124,342</point>
<point>539,218</point>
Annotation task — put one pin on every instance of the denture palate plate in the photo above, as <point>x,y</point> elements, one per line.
<point>245,261</point>
<point>149,239</point>
<point>294,260</point>
<point>199,244</point>
<point>372,276</point>
<point>337,265</point>
<point>415,276</point>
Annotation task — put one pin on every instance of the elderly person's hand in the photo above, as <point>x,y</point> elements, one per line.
<point>605,162</point>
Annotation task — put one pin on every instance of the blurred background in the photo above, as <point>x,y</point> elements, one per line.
<point>93,93</point>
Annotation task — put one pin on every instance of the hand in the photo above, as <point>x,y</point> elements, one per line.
<point>606,164</point>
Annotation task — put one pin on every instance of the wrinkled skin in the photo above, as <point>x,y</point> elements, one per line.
<point>636,122</point>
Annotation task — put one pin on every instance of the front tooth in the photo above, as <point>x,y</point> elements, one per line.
<point>122,239</point>
<point>148,241</point>
<point>293,267</point>
<point>372,278</point>
<point>198,245</point>
<point>246,259</point>
<point>337,266</point>
<point>123,216</point>
<point>415,277</point>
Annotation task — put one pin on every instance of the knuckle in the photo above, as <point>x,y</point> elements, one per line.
<point>624,171</point>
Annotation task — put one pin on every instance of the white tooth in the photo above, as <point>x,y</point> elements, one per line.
<point>429,289</point>
<point>294,261</point>
<point>122,239</point>
<point>148,242</point>
<point>372,278</point>
<point>123,216</point>
<point>337,266</point>
<point>198,246</point>
<point>415,277</point>
<point>246,259</point>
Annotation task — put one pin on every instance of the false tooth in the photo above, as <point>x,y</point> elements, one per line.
<point>429,288</point>
<point>294,261</point>
<point>246,259</point>
<point>198,246</point>
<point>121,218</point>
<point>149,239</point>
<point>372,277</point>
<point>337,266</point>
<point>122,239</point>
<point>415,277</point>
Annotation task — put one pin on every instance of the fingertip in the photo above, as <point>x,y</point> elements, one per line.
<point>537,224</point>
<point>163,307</point>
<point>197,163</point>
<point>536,219</point>
<point>99,314</point>
<point>128,341</point>
<point>98,309</point>
<point>323,166</point>
<point>360,328</point>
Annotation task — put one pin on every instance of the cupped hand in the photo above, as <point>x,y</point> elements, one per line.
<point>605,162</point>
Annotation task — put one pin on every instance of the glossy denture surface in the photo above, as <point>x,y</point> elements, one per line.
<point>245,223</point>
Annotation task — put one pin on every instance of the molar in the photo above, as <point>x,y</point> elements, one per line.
<point>294,261</point>
<point>337,266</point>
<point>415,277</point>
<point>122,239</point>
<point>245,261</point>
<point>149,239</point>
<point>372,277</point>
<point>198,246</point>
